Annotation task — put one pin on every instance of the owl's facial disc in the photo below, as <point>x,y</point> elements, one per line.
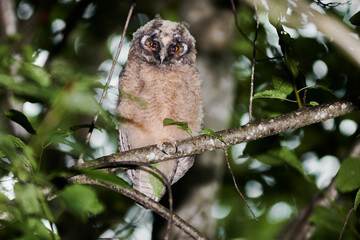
<point>168,50</point>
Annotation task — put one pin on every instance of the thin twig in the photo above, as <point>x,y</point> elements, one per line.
<point>253,62</point>
<point>269,59</point>
<point>237,23</point>
<point>88,136</point>
<point>346,222</point>
<point>236,186</point>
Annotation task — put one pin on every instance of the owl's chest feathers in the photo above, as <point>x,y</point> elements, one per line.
<point>166,91</point>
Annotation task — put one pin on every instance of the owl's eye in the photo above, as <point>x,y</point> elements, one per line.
<point>173,49</point>
<point>153,44</point>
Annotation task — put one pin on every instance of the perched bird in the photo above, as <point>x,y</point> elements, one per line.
<point>158,81</point>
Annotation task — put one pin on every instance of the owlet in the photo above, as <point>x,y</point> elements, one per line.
<point>158,81</point>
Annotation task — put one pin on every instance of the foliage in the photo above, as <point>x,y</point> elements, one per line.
<point>52,72</point>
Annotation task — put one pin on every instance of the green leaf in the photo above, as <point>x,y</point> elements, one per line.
<point>290,158</point>
<point>281,155</point>
<point>271,157</point>
<point>348,176</point>
<point>182,125</point>
<point>289,50</point>
<point>270,94</point>
<point>81,200</point>
<point>10,146</point>
<point>313,103</point>
<point>35,73</point>
<point>17,142</point>
<point>327,218</point>
<point>21,119</point>
<point>105,177</point>
<point>281,90</point>
<point>357,200</point>
<point>213,134</point>
<point>355,20</point>
<point>26,196</point>
<point>282,86</point>
<point>37,230</point>
<point>156,182</point>
<point>28,53</point>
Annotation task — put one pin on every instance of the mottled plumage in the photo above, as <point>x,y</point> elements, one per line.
<point>158,81</point>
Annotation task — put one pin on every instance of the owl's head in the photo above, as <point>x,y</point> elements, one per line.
<point>163,42</point>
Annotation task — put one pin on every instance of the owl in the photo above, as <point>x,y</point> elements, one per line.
<point>158,81</point>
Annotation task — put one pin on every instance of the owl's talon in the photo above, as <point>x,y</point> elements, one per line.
<point>168,140</point>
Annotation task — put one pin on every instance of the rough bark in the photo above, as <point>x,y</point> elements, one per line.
<point>249,132</point>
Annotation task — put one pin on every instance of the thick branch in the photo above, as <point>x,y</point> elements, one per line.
<point>250,132</point>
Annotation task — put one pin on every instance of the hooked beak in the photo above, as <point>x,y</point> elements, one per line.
<point>163,55</point>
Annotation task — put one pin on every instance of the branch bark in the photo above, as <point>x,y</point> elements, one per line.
<point>249,132</point>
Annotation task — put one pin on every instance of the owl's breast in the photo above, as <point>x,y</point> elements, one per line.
<point>159,93</point>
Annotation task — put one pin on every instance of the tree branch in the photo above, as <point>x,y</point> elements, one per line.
<point>146,202</point>
<point>252,131</point>
<point>249,132</point>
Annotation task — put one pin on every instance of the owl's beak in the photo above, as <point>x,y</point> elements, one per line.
<point>163,55</point>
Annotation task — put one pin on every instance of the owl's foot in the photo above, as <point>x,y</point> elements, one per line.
<point>170,140</point>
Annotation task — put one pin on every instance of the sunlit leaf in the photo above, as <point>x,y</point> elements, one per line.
<point>281,90</point>
<point>81,200</point>
<point>313,103</point>
<point>348,176</point>
<point>270,94</point>
<point>182,125</point>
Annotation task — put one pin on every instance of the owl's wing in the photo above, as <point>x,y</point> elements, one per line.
<point>123,142</point>
<point>124,145</point>
<point>183,165</point>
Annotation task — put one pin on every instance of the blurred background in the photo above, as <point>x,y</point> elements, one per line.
<point>55,58</point>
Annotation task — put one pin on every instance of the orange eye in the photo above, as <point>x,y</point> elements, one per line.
<point>153,44</point>
<point>174,49</point>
